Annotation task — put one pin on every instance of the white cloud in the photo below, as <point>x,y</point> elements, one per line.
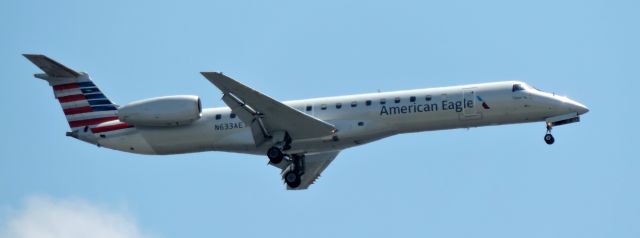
<point>44,217</point>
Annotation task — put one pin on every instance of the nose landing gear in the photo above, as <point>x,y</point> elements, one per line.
<point>548,138</point>
<point>558,121</point>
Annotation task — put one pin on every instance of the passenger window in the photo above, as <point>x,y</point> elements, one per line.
<point>517,87</point>
<point>233,115</point>
<point>309,108</point>
<point>323,107</point>
<point>383,101</point>
<point>427,98</point>
<point>338,105</point>
<point>412,99</point>
<point>397,100</point>
<point>218,116</point>
<point>368,102</point>
<point>354,104</point>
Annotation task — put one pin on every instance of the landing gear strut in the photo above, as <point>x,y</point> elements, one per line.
<point>548,138</point>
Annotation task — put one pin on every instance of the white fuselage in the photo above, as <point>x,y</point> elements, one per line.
<point>359,119</point>
<point>300,137</point>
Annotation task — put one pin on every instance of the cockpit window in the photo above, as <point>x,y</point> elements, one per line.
<point>517,87</point>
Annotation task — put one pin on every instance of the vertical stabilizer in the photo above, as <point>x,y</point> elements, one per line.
<point>83,104</point>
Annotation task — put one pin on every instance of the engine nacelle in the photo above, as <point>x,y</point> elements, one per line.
<point>162,111</point>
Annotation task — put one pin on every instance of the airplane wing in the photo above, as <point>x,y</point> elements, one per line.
<point>314,165</point>
<point>265,115</point>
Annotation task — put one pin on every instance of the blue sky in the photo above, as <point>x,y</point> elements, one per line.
<point>484,182</point>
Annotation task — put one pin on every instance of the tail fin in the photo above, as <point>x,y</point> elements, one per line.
<point>84,105</point>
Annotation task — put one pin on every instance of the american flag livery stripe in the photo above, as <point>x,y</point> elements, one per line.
<point>85,105</point>
<point>89,90</point>
<point>73,85</point>
<point>65,86</point>
<point>71,98</point>
<point>94,96</point>
<point>74,104</point>
<point>75,88</point>
<point>76,110</point>
<point>103,108</point>
<point>99,102</point>
<point>90,122</point>
<point>90,115</point>
<point>67,92</point>
<point>81,103</point>
<point>86,109</point>
<point>113,127</point>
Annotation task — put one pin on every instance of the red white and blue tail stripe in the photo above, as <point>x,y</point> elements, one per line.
<point>83,104</point>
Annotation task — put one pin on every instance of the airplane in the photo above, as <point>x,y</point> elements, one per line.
<point>300,137</point>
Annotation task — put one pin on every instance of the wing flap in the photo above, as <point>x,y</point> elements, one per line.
<point>249,116</point>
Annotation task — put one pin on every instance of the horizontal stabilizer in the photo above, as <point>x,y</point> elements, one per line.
<point>51,67</point>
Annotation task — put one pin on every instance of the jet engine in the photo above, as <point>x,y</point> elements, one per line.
<point>162,111</point>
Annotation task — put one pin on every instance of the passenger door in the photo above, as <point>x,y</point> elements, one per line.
<point>470,105</point>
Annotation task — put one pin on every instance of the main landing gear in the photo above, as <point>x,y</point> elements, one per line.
<point>293,169</point>
<point>548,138</point>
<point>275,155</point>
<point>293,173</point>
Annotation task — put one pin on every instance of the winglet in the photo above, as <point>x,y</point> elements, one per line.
<point>51,67</point>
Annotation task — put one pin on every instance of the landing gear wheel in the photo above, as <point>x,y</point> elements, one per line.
<point>292,179</point>
<point>548,138</point>
<point>275,155</point>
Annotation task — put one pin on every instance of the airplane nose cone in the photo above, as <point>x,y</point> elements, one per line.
<point>579,107</point>
<point>583,110</point>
